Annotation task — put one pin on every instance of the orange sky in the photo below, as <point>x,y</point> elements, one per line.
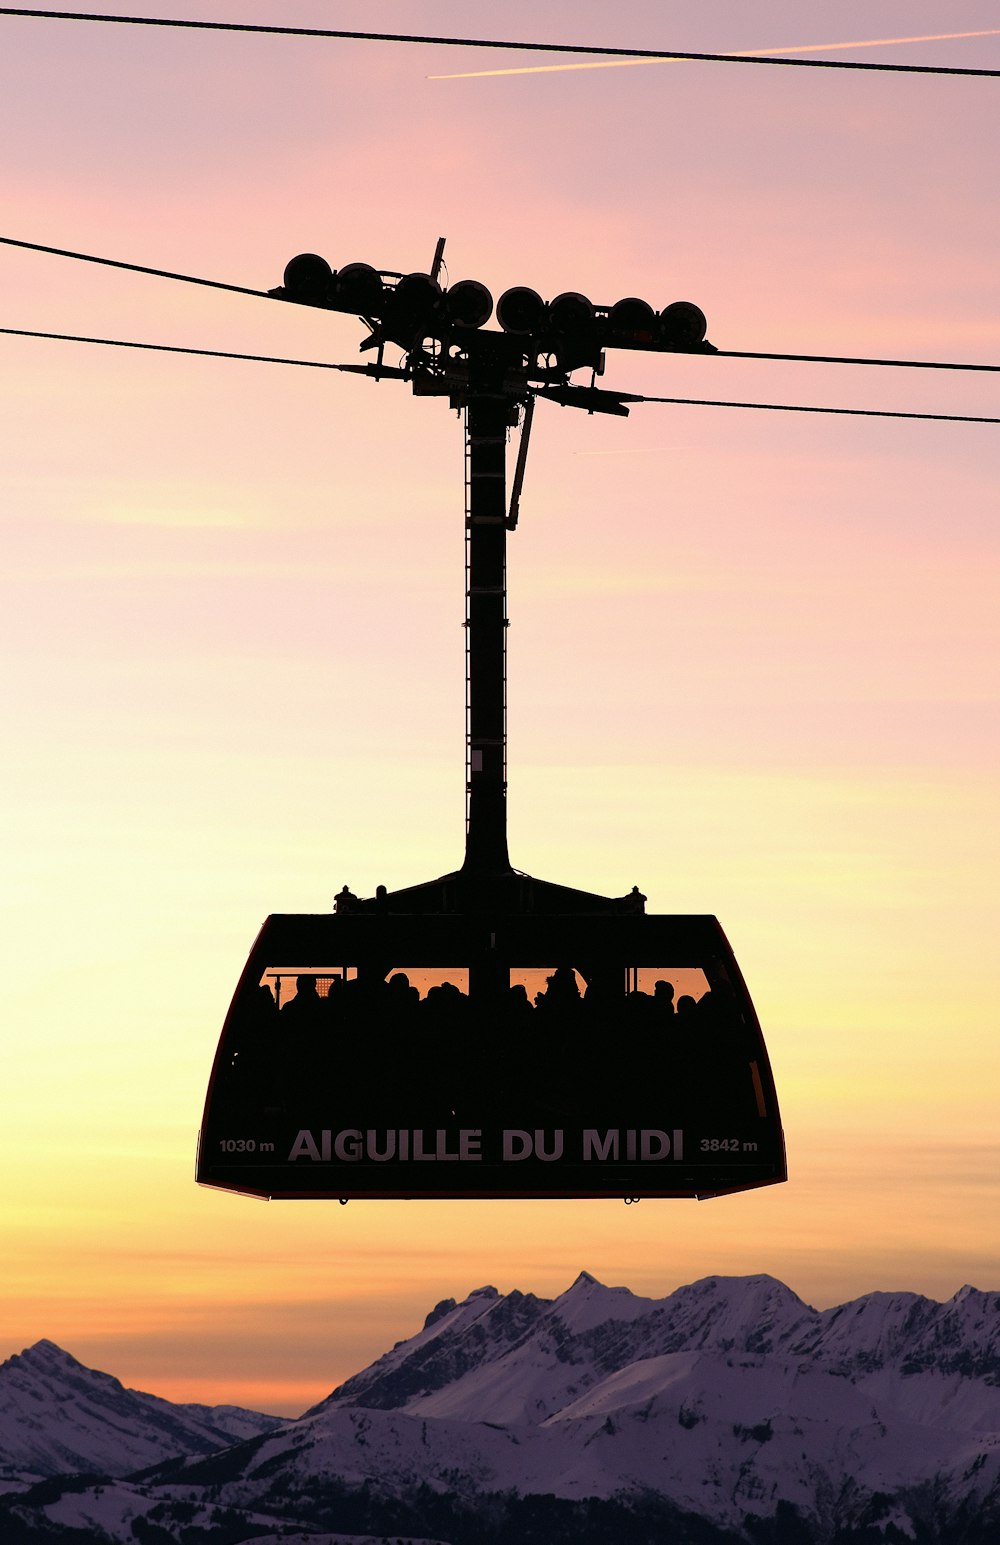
<point>752,656</point>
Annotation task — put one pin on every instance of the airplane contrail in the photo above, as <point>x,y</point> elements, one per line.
<point>745,53</point>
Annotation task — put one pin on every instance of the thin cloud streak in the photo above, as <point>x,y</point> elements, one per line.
<point>640,450</point>
<point>743,53</point>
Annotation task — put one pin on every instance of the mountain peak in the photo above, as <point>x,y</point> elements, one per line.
<point>588,1303</point>
<point>966,1292</point>
<point>439,1311</point>
<point>47,1365</point>
<point>48,1353</point>
<point>58,1415</point>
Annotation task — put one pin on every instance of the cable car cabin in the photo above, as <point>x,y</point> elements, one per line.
<point>487,1033</point>
<point>421,1055</point>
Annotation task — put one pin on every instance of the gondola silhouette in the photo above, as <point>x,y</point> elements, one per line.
<point>488,1033</point>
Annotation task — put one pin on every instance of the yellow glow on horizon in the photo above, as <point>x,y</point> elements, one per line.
<point>743,53</point>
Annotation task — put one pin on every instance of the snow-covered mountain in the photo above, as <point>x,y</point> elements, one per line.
<point>728,1411</point>
<point>517,1358</point>
<point>58,1416</point>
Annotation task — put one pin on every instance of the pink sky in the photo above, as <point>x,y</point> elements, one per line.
<point>752,656</point>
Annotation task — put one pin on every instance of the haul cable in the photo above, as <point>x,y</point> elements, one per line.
<point>377,371</point>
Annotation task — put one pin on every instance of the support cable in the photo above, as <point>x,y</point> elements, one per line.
<point>240,289</point>
<point>135,268</point>
<point>492,43</point>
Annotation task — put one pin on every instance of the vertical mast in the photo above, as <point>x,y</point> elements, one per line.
<point>487,418</point>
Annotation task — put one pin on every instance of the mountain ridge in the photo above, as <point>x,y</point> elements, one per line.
<point>729,1410</point>
<point>57,1415</point>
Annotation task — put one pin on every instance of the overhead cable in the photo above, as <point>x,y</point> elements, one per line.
<point>241,289</point>
<point>796,407</point>
<point>504,44</point>
<point>849,359</point>
<point>135,268</point>
<point>172,348</point>
<point>376,371</point>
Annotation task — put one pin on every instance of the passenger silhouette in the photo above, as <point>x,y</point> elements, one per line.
<point>561,994</point>
<point>663,997</point>
<point>306,1005</point>
<point>640,1008</point>
<point>395,1054</point>
<point>253,1043</point>
<point>733,1051</point>
<point>401,994</point>
<point>302,1027</point>
<point>598,1062</point>
<point>555,1059</point>
<point>518,1009</point>
<point>444,1042</point>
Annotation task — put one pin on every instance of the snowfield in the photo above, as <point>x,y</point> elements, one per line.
<point>726,1404</point>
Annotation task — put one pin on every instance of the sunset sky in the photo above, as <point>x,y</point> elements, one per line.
<point>752,656</point>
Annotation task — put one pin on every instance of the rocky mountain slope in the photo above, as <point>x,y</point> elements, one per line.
<point>58,1416</point>
<point>727,1411</point>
